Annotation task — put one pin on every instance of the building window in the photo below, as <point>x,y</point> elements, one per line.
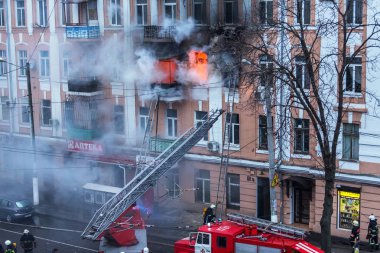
<point>44,64</point>
<point>25,117</point>
<point>302,75</point>
<point>354,11</point>
<point>201,117</point>
<point>233,191</point>
<point>144,118</point>
<point>170,9</point>
<point>93,10</point>
<point>303,12</point>
<point>266,12</point>
<point>199,11</point>
<point>119,118</point>
<point>231,11</point>
<point>354,75</point>
<point>142,12</point>
<point>221,242</point>
<point>20,13</point>
<point>350,142</point>
<point>263,139</point>
<point>4,112</point>
<point>22,59</point>
<point>202,184</point>
<point>349,208</point>
<point>42,13</point>
<point>173,184</point>
<point>172,122</point>
<point>65,13</point>
<point>2,20</point>
<point>66,64</point>
<point>233,128</point>
<point>45,112</point>
<point>115,12</point>
<point>3,64</point>
<point>266,68</point>
<point>301,136</point>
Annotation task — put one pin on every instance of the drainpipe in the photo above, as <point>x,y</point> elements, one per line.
<point>281,130</point>
<point>10,74</point>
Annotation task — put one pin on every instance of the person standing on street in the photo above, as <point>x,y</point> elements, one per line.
<point>355,236</point>
<point>10,248</point>
<point>373,233</point>
<point>27,242</point>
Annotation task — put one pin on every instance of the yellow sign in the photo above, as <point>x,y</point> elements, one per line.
<point>275,180</point>
<point>349,194</point>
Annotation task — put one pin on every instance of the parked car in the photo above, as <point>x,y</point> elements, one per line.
<point>13,208</point>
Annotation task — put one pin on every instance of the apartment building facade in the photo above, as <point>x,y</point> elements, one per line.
<point>95,91</point>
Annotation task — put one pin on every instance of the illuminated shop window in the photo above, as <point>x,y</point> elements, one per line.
<point>349,208</point>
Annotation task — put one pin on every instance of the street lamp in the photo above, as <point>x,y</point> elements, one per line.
<point>32,129</point>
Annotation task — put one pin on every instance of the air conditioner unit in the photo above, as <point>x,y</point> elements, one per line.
<point>213,146</point>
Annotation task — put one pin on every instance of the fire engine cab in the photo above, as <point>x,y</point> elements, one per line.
<point>244,234</point>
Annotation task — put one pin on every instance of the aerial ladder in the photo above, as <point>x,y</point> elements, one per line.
<point>118,205</point>
<point>269,227</point>
<point>142,159</point>
<point>231,82</point>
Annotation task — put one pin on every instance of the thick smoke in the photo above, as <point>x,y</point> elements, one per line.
<point>181,29</point>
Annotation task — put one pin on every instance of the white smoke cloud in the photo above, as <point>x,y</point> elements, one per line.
<point>182,29</point>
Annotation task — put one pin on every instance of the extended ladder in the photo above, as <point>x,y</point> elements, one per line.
<point>226,141</point>
<point>117,205</point>
<point>142,160</point>
<point>268,226</point>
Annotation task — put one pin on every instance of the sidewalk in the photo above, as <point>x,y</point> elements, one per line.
<point>181,222</point>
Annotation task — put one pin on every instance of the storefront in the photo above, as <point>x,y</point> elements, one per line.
<point>348,206</point>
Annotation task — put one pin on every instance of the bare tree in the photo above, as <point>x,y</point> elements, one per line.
<point>313,54</point>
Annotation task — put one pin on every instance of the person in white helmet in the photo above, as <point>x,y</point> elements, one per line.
<point>373,233</point>
<point>27,241</point>
<point>10,248</point>
<point>209,215</point>
<point>355,236</point>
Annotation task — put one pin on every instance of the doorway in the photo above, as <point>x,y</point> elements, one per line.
<point>263,198</point>
<point>301,204</point>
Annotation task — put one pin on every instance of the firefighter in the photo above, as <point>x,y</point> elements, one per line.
<point>355,235</point>
<point>10,248</point>
<point>27,242</point>
<point>373,232</point>
<point>208,214</point>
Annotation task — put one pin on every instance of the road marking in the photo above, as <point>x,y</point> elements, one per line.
<point>160,243</point>
<point>45,239</point>
<point>42,227</point>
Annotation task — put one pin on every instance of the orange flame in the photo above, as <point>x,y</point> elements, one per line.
<point>169,68</point>
<point>198,64</point>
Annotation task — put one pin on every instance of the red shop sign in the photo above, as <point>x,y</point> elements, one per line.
<point>85,146</point>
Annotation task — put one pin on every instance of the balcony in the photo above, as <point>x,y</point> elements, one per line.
<point>87,86</point>
<point>82,31</point>
<point>154,33</point>
<point>159,145</point>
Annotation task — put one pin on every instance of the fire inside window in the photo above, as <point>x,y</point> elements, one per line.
<point>199,65</point>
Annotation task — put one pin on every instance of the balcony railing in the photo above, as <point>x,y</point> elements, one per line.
<point>82,31</point>
<point>160,33</point>
<point>159,145</point>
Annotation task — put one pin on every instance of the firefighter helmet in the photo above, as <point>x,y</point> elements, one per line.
<point>355,223</point>
<point>372,217</point>
<point>26,231</point>
<point>7,242</point>
<point>212,206</point>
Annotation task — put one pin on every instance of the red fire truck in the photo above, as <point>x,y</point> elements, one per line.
<point>244,234</point>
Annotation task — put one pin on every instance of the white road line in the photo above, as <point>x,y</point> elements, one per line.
<point>45,239</point>
<point>42,227</point>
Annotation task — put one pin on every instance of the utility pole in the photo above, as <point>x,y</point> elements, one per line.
<point>271,153</point>
<point>36,199</point>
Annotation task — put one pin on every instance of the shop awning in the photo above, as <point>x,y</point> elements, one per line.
<point>304,247</point>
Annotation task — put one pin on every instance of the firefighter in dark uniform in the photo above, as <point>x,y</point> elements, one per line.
<point>355,235</point>
<point>27,242</point>
<point>373,233</point>
<point>209,215</point>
